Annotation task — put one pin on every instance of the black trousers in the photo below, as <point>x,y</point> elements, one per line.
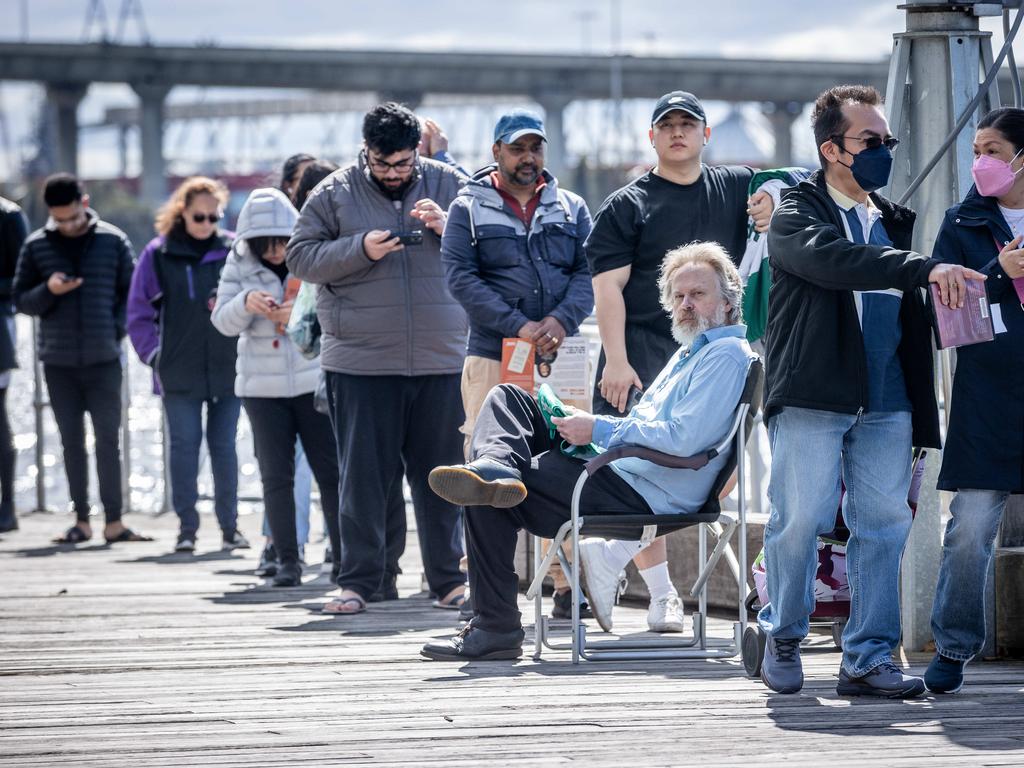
<point>511,429</point>
<point>384,424</point>
<point>95,389</point>
<point>276,422</point>
<point>8,458</point>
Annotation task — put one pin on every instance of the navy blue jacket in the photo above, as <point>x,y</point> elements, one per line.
<point>503,274</point>
<point>985,441</point>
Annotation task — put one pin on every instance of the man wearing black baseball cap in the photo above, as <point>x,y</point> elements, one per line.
<point>679,201</point>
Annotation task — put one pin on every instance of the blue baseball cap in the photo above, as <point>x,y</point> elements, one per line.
<point>518,123</point>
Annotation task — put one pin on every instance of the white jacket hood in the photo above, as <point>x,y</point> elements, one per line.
<point>267,213</point>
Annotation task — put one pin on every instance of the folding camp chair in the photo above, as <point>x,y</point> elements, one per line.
<point>645,527</point>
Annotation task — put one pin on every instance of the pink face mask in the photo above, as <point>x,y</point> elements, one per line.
<point>993,177</point>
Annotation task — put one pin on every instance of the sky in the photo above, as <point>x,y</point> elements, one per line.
<point>796,29</point>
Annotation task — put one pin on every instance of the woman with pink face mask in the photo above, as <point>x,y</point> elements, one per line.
<point>984,455</point>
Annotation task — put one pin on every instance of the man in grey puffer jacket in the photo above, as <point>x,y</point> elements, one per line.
<point>392,346</point>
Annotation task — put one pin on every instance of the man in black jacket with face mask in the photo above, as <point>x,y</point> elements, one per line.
<point>74,274</point>
<point>850,390</point>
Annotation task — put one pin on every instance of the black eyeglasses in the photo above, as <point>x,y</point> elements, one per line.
<point>199,218</point>
<point>870,142</point>
<point>381,167</point>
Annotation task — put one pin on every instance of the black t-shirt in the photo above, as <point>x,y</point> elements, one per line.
<point>638,224</point>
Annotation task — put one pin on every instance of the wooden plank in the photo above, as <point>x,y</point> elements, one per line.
<point>124,656</point>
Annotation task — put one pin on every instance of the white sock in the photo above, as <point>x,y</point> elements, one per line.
<point>657,580</point>
<point>619,553</point>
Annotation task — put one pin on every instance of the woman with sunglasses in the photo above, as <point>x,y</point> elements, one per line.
<point>173,291</point>
<point>983,461</point>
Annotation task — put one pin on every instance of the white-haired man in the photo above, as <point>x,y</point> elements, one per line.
<point>517,466</point>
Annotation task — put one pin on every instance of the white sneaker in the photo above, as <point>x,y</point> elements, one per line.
<point>600,581</point>
<point>666,614</point>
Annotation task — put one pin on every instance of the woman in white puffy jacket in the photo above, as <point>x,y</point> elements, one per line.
<point>276,383</point>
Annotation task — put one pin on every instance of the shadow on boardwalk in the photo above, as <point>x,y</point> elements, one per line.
<point>170,660</point>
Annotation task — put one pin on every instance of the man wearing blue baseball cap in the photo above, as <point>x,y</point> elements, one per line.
<point>513,256</point>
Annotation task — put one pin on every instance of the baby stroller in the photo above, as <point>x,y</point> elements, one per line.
<point>831,587</point>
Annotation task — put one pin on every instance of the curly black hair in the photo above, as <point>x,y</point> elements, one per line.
<point>390,128</point>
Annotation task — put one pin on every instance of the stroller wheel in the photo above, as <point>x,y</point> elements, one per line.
<point>837,633</point>
<point>753,650</point>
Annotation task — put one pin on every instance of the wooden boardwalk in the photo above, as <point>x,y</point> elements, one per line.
<point>127,656</point>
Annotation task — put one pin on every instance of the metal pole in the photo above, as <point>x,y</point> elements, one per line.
<point>165,452</point>
<point>615,77</point>
<point>126,439</point>
<point>38,404</point>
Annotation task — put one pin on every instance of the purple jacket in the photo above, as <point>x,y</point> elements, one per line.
<point>172,294</point>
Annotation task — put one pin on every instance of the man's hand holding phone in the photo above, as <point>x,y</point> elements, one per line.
<point>59,283</point>
<point>378,243</point>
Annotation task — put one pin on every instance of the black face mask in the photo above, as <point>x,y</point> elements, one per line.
<point>871,168</point>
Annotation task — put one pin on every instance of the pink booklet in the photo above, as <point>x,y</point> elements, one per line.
<point>970,324</point>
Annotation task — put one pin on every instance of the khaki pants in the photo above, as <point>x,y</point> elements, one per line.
<point>479,376</point>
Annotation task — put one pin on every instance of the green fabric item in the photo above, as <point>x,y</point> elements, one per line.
<point>551,405</point>
<point>755,295</point>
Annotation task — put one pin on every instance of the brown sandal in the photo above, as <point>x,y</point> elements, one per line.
<point>453,600</point>
<point>344,606</point>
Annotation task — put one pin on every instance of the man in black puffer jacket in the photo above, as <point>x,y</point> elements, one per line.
<point>74,274</point>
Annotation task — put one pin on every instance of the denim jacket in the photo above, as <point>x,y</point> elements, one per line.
<point>504,274</point>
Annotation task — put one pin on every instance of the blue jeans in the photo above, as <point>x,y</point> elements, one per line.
<point>185,432</point>
<point>958,614</point>
<point>811,451</point>
<point>302,490</point>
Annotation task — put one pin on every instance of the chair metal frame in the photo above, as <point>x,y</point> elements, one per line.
<point>711,520</point>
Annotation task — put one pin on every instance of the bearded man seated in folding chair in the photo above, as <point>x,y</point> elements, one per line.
<point>520,478</point>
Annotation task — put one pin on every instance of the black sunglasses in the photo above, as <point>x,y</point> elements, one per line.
<point>870,142</point>
<point>199,218</point>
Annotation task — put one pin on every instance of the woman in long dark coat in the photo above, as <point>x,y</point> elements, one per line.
<point>984,456</point>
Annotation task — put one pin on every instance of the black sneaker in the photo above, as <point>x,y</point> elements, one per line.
<point>268,564</point>
<point>288,575</point>
<point>781,669</point>
<point>8,520</point>
<point>944,675</point>
<point>562,609</point>
<point>234,540</point>
<point>886,681</point>
<point>186,543</point>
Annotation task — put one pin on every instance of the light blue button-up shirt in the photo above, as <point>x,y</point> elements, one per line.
<point>688,409</point>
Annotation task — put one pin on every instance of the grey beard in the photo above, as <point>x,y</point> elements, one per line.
<point>685,335</point>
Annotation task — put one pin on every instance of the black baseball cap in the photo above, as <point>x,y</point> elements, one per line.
<point>681,100</point>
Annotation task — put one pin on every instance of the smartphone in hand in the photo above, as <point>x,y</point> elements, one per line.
<point>635,393</point>
<point>415,237</point>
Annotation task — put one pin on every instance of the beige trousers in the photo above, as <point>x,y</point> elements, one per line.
<point>479,376</point>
